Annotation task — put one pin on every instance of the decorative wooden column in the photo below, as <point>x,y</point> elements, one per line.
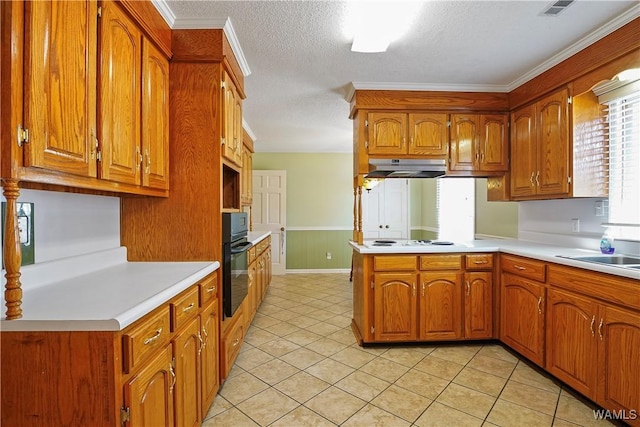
<point>357,209</point>
<point>12,251</point>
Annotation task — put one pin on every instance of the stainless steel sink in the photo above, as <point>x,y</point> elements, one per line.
<point>615,260</point>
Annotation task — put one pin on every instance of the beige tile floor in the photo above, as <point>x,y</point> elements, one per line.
<point>300,366</point>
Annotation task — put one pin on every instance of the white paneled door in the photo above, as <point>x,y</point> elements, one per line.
<point>269,212</point>
<point>385,210</point>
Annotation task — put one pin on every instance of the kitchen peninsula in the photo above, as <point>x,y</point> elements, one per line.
<point>524,294</point>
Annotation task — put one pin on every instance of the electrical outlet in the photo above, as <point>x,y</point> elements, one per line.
<point>575,225</point>
<point>328,255</point>
<point>600,208</point>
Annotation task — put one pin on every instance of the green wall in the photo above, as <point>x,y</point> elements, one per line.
<point>319,204</point>
<point>495,218</point>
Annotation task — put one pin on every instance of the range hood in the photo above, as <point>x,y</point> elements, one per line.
<point>406,168</point>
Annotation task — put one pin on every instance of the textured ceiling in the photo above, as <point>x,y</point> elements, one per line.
<point>302,67</point>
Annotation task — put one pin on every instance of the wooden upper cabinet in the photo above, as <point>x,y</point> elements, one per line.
<point>428,134</point>
<point>523,152</point>
<point>540,148</point>
<point>60,86</point>
<point>134,103</point>
<point>232,121</point>
<point>387,133</point>
<point>478,144</point>
<point>407,134</point>
<point>552,128</point>
<point>120,75</point>
<point>155,117</point>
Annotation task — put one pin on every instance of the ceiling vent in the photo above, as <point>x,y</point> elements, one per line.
<point>555,8</point>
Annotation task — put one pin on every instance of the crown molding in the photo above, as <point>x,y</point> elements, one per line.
<point>205,24</point>
<point>586,41</point>
<point>246,127</point>
<point>165,11</point>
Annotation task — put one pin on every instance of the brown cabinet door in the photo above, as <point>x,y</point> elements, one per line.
<point>228,117</point>
<point>478,305</point>
<point>552,176</point>
<point>395,306</point>
<point>155,117</point>
<point>522,316</point>
<point>60,86</point>
<point>571,340</point>
<point>120,73</point>
<point>493,146</point>
<point>463,148</point>
<point>149,394</point>
<point>209,358</point>
<point>187,347</point>
<point>523,152</point>
<point>618,356</point>
<point>428,134</point>
<point>440,305</point>
<point>387,133</point>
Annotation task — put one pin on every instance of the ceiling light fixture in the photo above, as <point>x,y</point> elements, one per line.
<point>375,24</point>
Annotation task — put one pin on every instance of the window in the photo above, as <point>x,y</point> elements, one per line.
<point>456,209</point>
<point>624,160</point>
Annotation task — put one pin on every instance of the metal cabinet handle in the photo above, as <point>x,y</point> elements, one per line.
<point>188,308</point>
<point>519,267</point>
<point>211,289</point>
<point>531,178</point>
<point>153,338</point>
<point>204,331</point>
<point>468,288</point>
<point>147,168</point>
<point>540,305</point>
<point>593,321</point>
<point>482,157</point>
<point>414,289</point>
<point>423,286</point>
<point>600,329</point>
<point>538,178</point>
<point>139,163</point>
<point>484,261</point>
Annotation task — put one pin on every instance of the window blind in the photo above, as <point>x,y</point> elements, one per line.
<point>623,114</point>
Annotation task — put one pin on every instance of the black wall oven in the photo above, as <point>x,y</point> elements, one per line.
<point>235,278</point>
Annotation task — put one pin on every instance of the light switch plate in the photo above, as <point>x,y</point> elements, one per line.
<point>27,231</point>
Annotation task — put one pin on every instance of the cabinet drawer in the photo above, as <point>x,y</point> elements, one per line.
<point>524,267</point>
<point>394,263</point>
<point>232,342</point>
<point>252,254</point>
<point>441,262</point>
<point>183,308</point>
<point>479,262</point>
<point>208,289</point>
<point>145,336</point>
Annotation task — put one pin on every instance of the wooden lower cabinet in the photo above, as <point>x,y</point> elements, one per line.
<point>595,348</point>
<point>478,304</point>
<point>395,315</point>
<point>522,316</point>
<point>148,395</point>
<point>618,366</point>
<point>571,340</point>
<point>440,305</point>
<point>187,348</point>
<point>209,356</point>
<point>423,298</point>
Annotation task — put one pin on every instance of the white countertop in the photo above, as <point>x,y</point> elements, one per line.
<point>539,251</point>
<point>101,292</point>
<point>255,236</point>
